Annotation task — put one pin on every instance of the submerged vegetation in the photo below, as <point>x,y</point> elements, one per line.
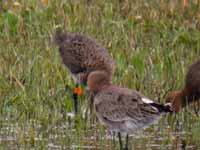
<point>153,43</point>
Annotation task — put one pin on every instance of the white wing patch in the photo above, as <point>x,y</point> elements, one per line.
<point>146,100</point>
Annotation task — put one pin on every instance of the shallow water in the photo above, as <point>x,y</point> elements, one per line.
<point>65,136</point>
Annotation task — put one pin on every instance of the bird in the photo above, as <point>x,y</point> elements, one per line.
<point>191,90</point>
<point>82,55</point>
<point>122,110</point>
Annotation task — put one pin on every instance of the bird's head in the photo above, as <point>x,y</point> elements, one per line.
<point>98,80</point>
<point>176,100</point>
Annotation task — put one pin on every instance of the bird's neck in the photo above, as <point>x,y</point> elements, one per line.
<point>105,86</point>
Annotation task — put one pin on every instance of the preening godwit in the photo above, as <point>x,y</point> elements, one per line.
<point>191,90</point>
<point>82,55</point>
<point>122,110</point>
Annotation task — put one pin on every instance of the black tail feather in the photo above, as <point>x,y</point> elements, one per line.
<point>162,108</point>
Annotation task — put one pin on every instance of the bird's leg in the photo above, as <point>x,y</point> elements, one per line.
<point>75,97</point>
<point>113,138</point>
<point>126,148</point>
<point>120,141</point>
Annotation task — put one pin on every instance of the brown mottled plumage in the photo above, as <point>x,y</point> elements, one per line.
<point>191,91</point>
<point>81,55</point>
<point>122,109</point>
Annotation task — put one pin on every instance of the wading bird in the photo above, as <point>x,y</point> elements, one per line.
<point>82,55</point>
<point>120,109</point>
<point>191,90</point>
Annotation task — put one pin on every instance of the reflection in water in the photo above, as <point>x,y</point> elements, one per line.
<point>63,136</point>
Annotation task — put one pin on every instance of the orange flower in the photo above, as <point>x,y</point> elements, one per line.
<point>78,91</point>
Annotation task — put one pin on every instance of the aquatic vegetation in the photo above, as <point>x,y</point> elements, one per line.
<point>153,43</point>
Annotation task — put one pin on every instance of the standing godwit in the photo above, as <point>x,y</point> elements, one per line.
<point>81,55</point>
<point>191,90</point>
<point>121,109</point>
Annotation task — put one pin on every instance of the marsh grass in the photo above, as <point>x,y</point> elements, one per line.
<point>153,43</point>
